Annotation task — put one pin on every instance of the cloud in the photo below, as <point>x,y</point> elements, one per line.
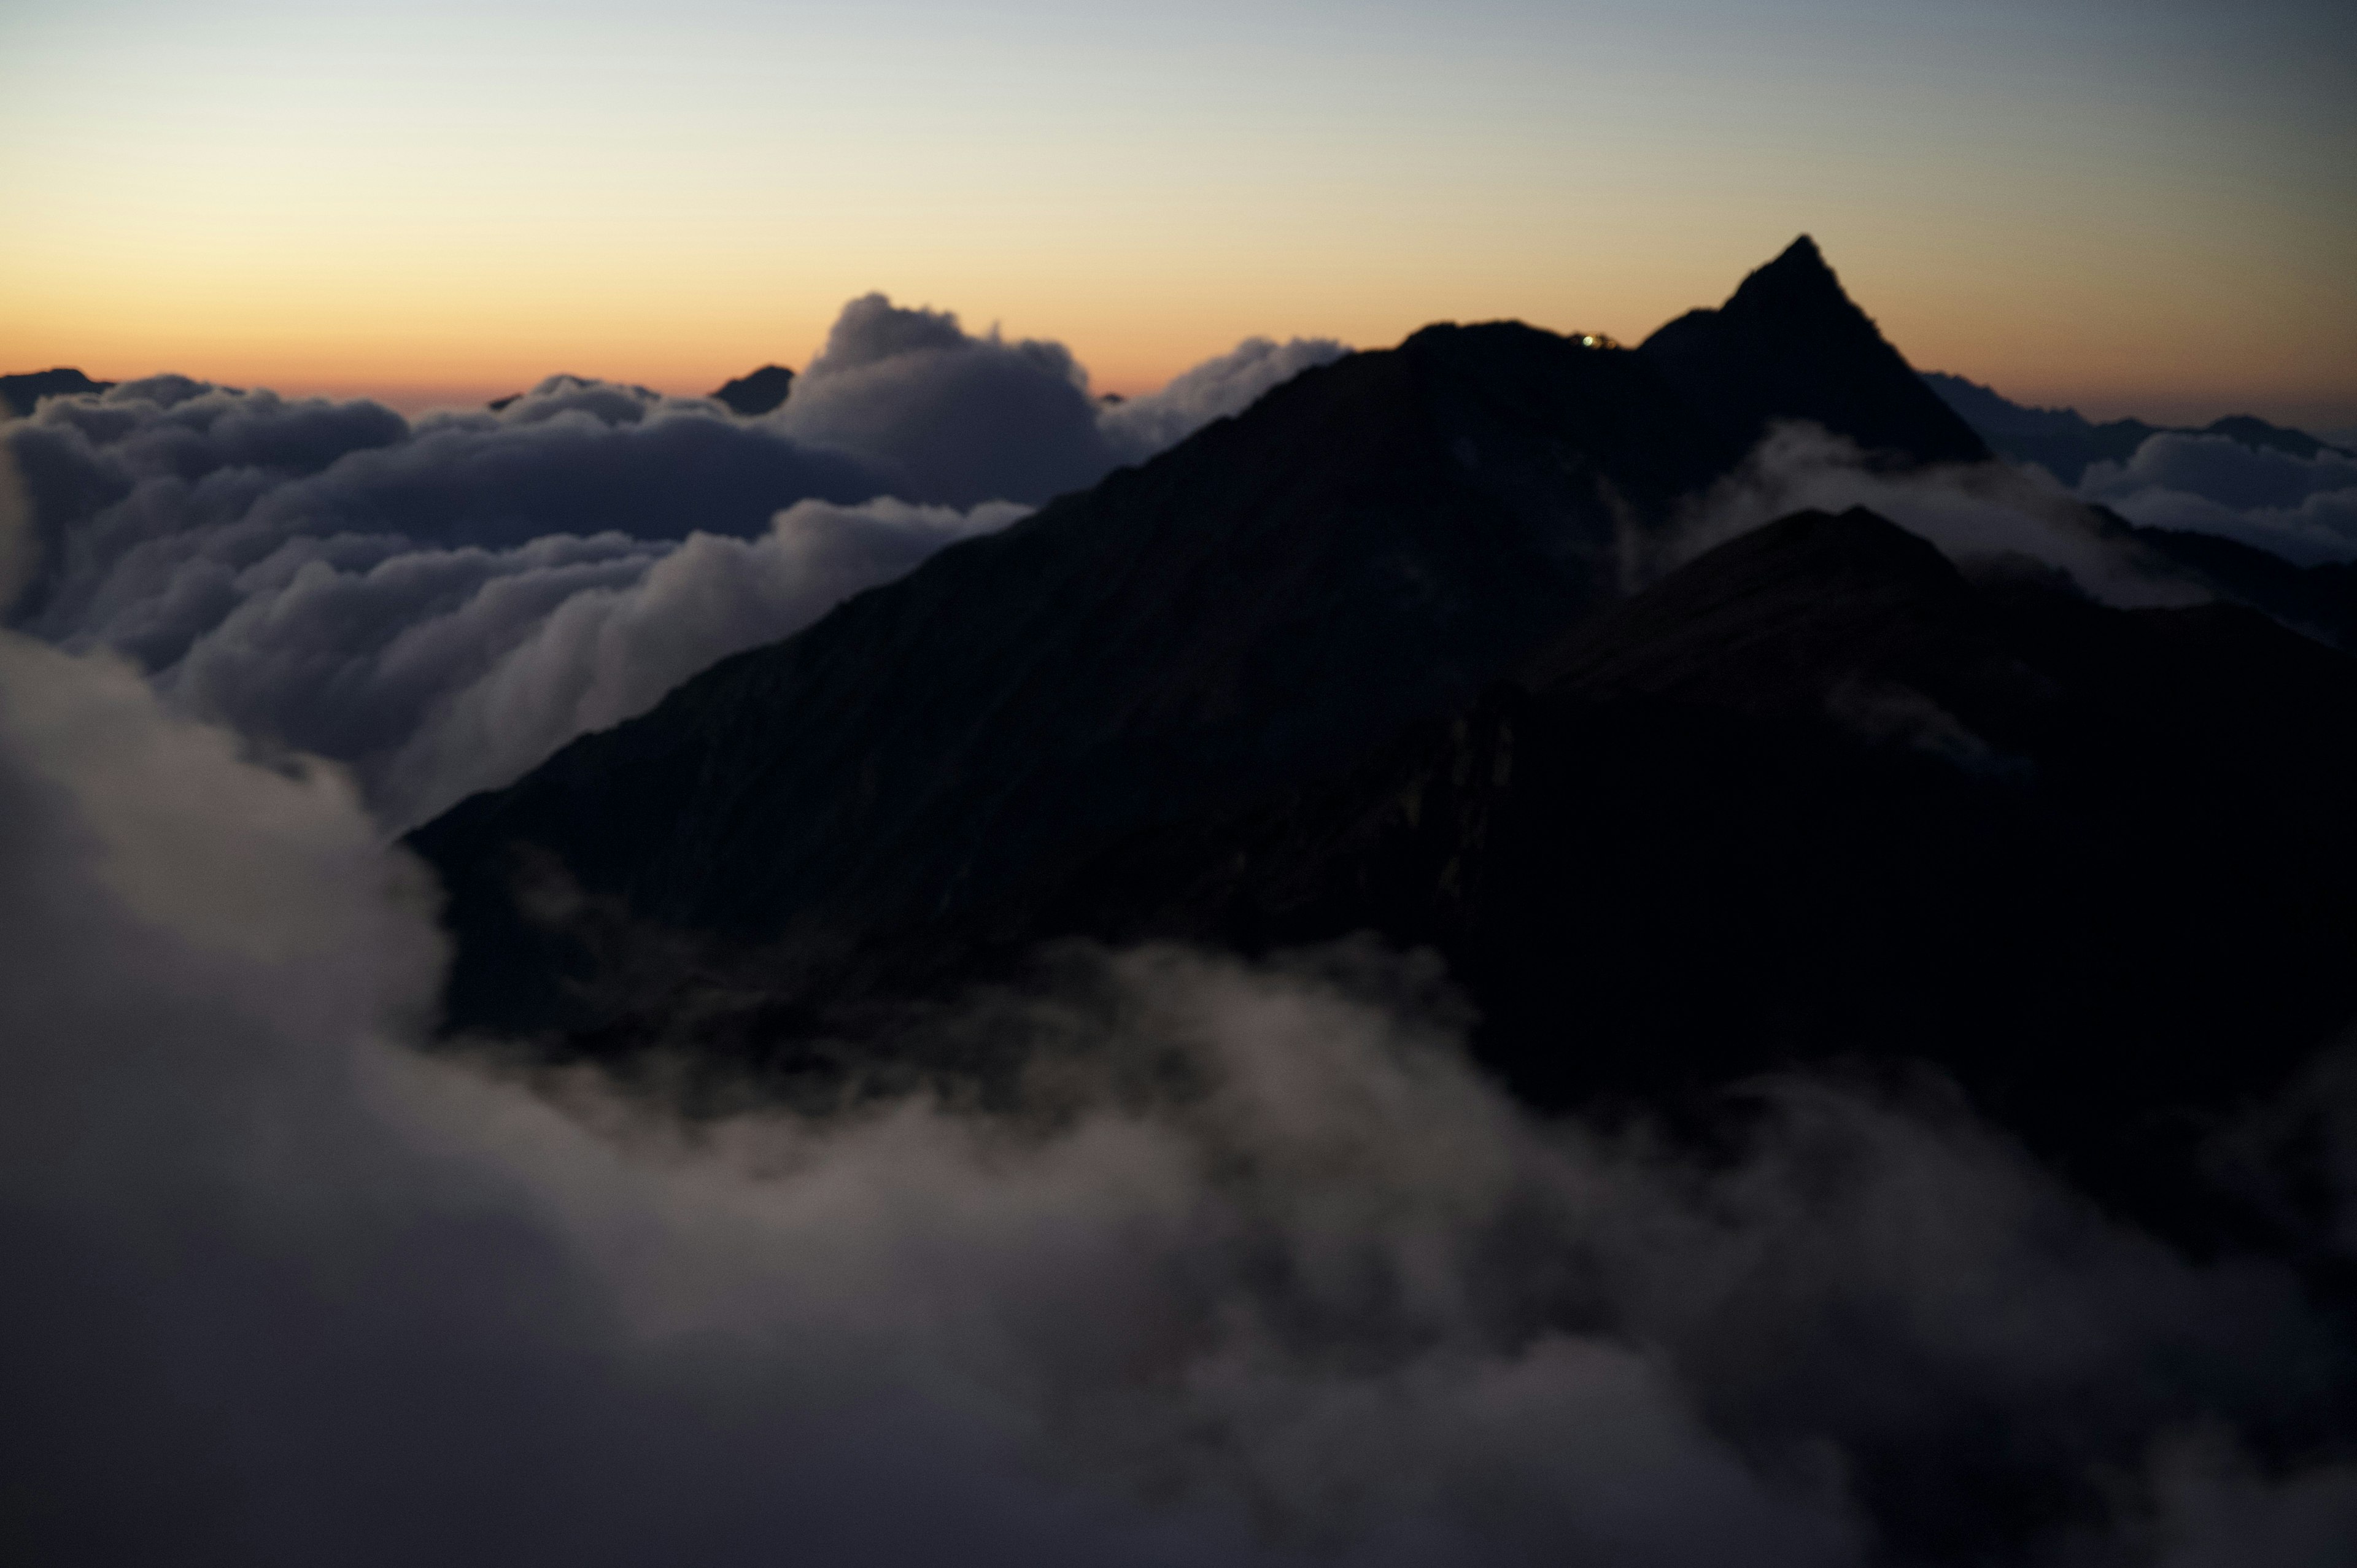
<point>962,419</point>
<point>2303,509</point>
<point>440,604</point>
<point>1216,388</point>
<point>1978,513</point>
<point>948,416</point>
<point>436,674</point>
<point>1254,1268</point>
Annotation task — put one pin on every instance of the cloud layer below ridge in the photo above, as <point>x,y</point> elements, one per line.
<point>440,603</point>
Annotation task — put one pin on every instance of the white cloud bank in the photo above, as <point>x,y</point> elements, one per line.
<point>2303,509</point>
<point>440,604</point>
<point>1260,1272</point>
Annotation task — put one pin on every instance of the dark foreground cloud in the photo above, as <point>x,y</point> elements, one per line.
<point>1257,1270</point>
<point>440,604</point>
<point>2304,509</point>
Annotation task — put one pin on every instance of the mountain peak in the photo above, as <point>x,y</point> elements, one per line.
<point>1798,260</point>
<point>757,393</point>
<point>1791,344</point>
<point>1766,612</point>
<point>1800,286</point>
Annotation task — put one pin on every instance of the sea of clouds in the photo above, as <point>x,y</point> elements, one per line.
<point>440,603</point>
<point>1257,1270</point>
<point>2303,509</point>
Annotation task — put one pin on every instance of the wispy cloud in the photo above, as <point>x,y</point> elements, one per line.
<point>1978,514</point>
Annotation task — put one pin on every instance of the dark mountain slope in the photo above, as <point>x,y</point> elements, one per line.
<point>1370,543</point>
<point>1789,344</point>
<point>2319,600</point>
<point>1816,795</point>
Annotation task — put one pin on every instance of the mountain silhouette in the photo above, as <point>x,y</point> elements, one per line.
<point>758,391</point>
<point>20,394</point>
<point>1360,659</point>
<point>1789,344</point>
<point>1371,543</point>
<point>1817,797</point>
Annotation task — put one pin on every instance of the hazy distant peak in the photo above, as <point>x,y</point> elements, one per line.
<point>2254,432</point>
<point>19,394</point>
<point>2067,444</point>
<point>757,393</point>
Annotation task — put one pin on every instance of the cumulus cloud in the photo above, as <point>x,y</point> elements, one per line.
<point>947,415</point>
<point>441,603</point>
<point>1253,1269</point>
<point>963,418</point>
<point>1976,513</point>
<point>2303,509</point>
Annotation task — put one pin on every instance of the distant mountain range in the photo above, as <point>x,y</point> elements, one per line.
<point>1362,658</point>
<point>2065,442</point>
<point>756,392</point>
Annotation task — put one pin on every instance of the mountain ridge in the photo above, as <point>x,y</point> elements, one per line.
<point>2066,443</point>
<point>1371,543</point>
<point>1359,659</point>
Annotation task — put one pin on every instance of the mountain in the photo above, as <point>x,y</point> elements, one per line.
<point>759,392</point>
<point>1360,659</point>
<point>1789,344</point>
<point>2065,443</point>
<point>1818,796</point>
<point>20,394</point>
<point>1369,544</point>
<point>2319,600</point>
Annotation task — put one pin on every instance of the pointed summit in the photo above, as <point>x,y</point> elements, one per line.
<point>1797,279</point>
<point>1789,344</point>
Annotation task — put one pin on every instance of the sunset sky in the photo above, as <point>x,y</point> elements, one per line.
<point>2142,209</point>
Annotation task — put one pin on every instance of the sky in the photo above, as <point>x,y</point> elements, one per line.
<point>2143,209</point>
